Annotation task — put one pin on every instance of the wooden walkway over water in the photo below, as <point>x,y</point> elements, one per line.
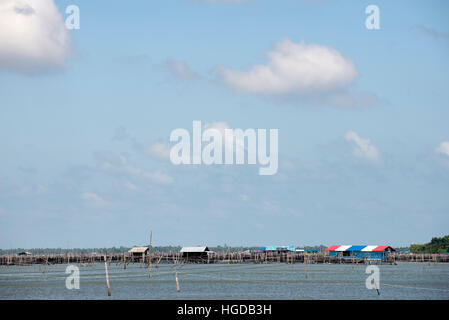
<point>217,257</point>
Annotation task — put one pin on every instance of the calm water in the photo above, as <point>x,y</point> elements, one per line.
<point>235,281</point>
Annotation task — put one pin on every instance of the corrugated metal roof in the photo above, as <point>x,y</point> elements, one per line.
<point>138,250</point>
<point>380,248</point>
<point>194,249</point>
<point>369,248</point>
<point>343,248</point>
<point>358,248</point>
<point>279,248</point>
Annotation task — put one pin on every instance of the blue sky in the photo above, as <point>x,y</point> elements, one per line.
<point>85,122</point>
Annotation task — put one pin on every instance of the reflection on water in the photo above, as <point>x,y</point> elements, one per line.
<point>222,281</point>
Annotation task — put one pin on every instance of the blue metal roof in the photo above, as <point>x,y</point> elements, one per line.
<point>355,248</point>
<point>276,248</point>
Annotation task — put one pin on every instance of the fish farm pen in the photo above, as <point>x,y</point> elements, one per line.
<point>155,258</point>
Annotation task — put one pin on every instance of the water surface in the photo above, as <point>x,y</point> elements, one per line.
<point>221,281</point>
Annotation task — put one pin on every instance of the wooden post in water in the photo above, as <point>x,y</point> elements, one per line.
<point>305,265</point>
<point>149,256</point>
<point>177,282</point>
<point>107,276</point>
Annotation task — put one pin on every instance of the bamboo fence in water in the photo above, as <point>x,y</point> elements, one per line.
<point>217,257</point>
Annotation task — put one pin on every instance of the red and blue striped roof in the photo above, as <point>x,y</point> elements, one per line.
<point>357,248</point>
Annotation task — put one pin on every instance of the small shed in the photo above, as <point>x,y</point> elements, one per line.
<point>195,253</point>
<point>138,252</point>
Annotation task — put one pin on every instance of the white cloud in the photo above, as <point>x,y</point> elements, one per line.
<point>363,147</point>
<point>130,186</point>
<point>443,148</point>
<point>180,70</point>
<point>34,190</point>
<point>244,197</point>
<point>294,69</point>
<point>271,207</point>
<point>158,177</point>
<point>122,165</point>
<point>159,150</point>
<point>95,200</point>
<point>33,36</point>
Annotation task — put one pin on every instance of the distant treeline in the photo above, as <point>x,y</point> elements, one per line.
<point>122,249</point>
<point>436,245</point>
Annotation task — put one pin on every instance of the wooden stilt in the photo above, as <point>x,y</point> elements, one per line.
<point>177,282</point>
<point>305,265</point>
<point>107,276</point>
<point>149,256</point>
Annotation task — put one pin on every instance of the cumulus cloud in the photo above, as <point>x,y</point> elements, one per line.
<point>159,150</point>
<point>33,36</point>
<point>443,148</point>
<point>33,190</point>
<point>294,69</point>
<point>180,70</point>
<point>363,148</point>
<point>130,186</point>
<point>121,165</point>
<point>95,200</point>
<point>158,177</point>
<point>244,197</point>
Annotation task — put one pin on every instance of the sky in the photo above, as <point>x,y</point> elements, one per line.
<point>86,115</point>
